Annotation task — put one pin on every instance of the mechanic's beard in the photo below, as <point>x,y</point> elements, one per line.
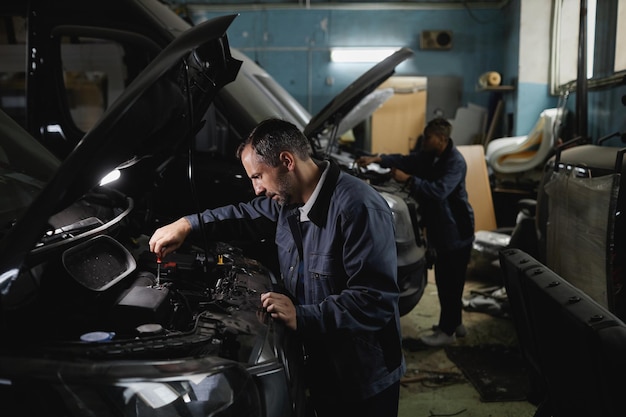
<point>284,192</point>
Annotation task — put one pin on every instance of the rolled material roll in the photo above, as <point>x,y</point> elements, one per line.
<point>490,79</point>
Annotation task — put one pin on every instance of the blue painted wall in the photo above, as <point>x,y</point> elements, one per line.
<point>293,45</point>
<point>531,100</point>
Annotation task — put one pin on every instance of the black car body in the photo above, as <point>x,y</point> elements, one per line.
<point>67,61</point>
<point>87,325</point>
<point>89,320</point>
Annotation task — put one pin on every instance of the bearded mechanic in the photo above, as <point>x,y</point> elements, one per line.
<point>337,256</point>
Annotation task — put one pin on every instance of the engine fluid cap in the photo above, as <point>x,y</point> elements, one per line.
<point>150,328</point>
<point>97,336</point>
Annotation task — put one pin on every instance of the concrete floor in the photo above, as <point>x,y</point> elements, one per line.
<point>419,398</point>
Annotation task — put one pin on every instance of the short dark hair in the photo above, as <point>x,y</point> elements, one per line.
<point>438,126</point>
<point>273,136</point>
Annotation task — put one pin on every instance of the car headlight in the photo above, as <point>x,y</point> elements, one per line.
<point>194,387</point>
<point>231,392</point>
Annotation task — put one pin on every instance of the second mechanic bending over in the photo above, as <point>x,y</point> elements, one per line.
<point>435,175</point>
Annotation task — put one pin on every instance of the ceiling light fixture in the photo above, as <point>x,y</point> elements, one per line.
<point>361,54</point>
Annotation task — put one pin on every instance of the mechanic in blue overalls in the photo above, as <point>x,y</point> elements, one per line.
<point>337,256</point>
<point>435,176</point>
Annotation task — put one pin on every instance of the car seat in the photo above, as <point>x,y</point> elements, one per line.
<point>513,155</point>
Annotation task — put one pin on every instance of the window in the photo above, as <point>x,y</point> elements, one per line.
<point>565,33</point>
<point>94,74</point>
<point>620,37</point>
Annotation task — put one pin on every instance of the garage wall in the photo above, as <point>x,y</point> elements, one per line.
<point>533,91</point>
<point>293,44</point>
<point>292,41</point>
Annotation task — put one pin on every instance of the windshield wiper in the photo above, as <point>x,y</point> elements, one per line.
<point>71,230</point>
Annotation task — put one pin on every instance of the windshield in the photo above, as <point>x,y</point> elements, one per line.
<point>25,168</point>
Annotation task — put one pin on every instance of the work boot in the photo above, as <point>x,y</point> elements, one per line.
<point>437,339</point>
<point>460,330</point>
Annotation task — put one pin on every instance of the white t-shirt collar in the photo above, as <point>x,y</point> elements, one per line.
<point>305,209</point>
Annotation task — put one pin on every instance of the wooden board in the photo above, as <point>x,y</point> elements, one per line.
<point>397,124</point>
<point>478,187</point>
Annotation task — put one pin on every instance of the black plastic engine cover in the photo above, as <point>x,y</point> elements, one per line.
<point>141,305</point>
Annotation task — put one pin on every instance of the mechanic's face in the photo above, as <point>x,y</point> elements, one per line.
<point>275,182</point>
<point>434,143</point>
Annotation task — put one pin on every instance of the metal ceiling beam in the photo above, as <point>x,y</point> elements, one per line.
<point>199,5</point>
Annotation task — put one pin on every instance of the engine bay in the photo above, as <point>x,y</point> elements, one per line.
<point>97,291</point>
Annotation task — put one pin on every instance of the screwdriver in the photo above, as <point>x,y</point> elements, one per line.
<point>158,277</point>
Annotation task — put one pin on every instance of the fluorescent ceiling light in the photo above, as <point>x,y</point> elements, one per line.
<point>360,54</point>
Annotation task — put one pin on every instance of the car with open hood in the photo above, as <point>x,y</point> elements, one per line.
<point>90,322</point>
<point>90,319</point>
<point>67,62</point>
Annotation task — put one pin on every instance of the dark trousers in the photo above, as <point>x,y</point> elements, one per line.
<point>383,404</point>
<point>450,270</point>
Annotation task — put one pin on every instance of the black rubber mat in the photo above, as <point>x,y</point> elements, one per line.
<point>496,371</point>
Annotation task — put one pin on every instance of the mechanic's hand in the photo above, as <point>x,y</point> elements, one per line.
<point>168,238</point>
<point>399,175</point>
<point>280,307</point>
<point>366,160</point>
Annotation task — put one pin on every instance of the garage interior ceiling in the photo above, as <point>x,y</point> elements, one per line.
<point>382,4</point>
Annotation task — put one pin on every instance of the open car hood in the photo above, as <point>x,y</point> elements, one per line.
<point>154,117</point>
<point>356,102</point>
<point>160,110</point>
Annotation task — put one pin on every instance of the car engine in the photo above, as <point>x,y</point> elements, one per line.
<point>106,296</point>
